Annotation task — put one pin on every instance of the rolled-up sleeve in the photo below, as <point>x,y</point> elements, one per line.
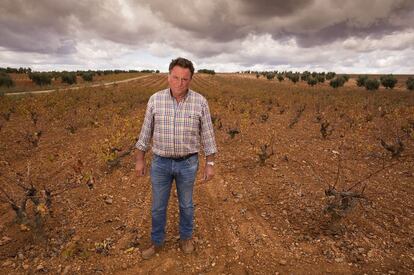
<point>147,127</point>
<point>207,131</point>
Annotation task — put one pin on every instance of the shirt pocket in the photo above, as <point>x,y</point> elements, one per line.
<point>191,123</point>
<point>163,123</point>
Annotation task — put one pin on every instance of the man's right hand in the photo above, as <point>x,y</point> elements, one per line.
<point>140,167</point>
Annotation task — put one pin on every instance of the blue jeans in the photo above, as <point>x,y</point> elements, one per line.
<point>163,172</point>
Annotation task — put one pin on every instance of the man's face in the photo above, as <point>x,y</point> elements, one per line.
<point>179,79</point>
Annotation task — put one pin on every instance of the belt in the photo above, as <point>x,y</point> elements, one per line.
<point>184,157</point>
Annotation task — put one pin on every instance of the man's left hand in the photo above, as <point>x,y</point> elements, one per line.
<point>208,172</point>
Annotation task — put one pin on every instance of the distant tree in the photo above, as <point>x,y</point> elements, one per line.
<point>294,78</point>
<point>157,71</point>
<point>68,77</point>
<point>147,71</point>
<point>372,84</point>
<point>388,81</point>
<point>320,78</point>
<point>87,76</point>
<point>5,80</point>
<point>305,76</point>
<point>330,75</point>
<point>270,75</point>
<point>280,77</point>
<point>345,77</point>
<point>41,78</point>
<point>207,71</point>
<point>337,82</point>
<point>361,80</point>
<point>257,75</point>
<point>312,81</point>
<point>410,83</point>
<point>10,70</point>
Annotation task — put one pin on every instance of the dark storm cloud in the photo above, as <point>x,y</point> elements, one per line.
<point>266,8</point>
<point>48,26</point>
<point>311,23</point>
<point>234,30</point>
<point>341,31</point>
<point>37,26</point>
<point>376,25</point>
<point>211,19</point>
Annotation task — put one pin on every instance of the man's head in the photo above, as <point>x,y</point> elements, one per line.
<point>183,63</point>
<point>181,71</point>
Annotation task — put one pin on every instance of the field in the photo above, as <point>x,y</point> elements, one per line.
<point>309,180</point>
<point>24,84</point>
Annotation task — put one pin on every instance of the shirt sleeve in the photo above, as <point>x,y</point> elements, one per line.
<point>207,131</point>
<point>147,128</point>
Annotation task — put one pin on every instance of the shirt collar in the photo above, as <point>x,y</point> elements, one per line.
<point>185,97</point>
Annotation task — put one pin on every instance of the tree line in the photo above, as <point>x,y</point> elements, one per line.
<point>335,80</point>
<point>46,78</point>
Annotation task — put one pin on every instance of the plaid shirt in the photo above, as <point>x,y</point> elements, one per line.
<point>177,127</point>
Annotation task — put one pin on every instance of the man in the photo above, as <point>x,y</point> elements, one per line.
<point>177,119</point>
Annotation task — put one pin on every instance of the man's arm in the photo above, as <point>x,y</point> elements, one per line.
<point>208,142</point>
<point>144,139</point>
<point>207,132</point>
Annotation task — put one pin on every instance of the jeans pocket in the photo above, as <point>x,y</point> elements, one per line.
<point>192,161</point>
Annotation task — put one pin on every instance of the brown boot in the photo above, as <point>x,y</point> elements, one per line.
<point>187,246</point>
<point>150,251</point>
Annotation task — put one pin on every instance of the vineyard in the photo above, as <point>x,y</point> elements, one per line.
<point>309,180</point>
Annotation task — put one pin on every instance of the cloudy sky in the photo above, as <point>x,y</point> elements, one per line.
<point>370,36</point>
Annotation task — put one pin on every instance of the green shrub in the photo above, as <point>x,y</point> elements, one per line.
<point>320,78</point>
<point>337,82</point>
<point>68,77</point>
<point>361,80</point>
<point>312,81</point>
<point>207,71</point>
<point>372,84</point>
<point>330,75</point>
<point>5,80</point>
<point>294,77</point>
<point>270,76</point>
<point>388,81</point>
<point>305,76</point>
<point>87,76</point>
<point>41,78</point>
<point>410,83</point>
<point>280,77</point>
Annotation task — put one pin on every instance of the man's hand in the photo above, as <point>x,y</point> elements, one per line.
<point>208,172</point>
<point>140,167</point>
